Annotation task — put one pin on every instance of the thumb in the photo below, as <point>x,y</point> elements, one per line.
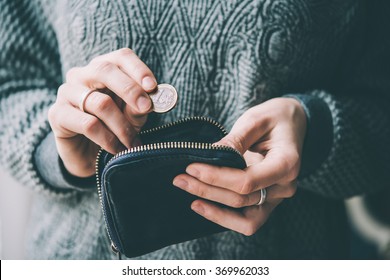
<point>234,141</point>
<point>244,133</point>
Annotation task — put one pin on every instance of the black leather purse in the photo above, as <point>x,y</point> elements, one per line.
<point>142,209</point>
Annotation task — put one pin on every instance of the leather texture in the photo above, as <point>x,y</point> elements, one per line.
<point>142,209</point>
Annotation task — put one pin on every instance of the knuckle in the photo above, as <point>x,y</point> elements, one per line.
<point>96,60</point>
<point>62,89</point>
<point>293,156</point>
<point>72,73</point>
<point>207,177</point>
<point>294,172</point>
<point>247,187</point>
<point>130,88</point>
<point>199,191</point>
<point>62,92</point>
<point>89,124</point>
<point>284,164</point>
<point>140,67</point>
<point>103,67</point>
<point>291,163</point>
<point>291,190</point>
<point>52,115</point>
<point>239,201</point>
<point>250,228</point>
<point>125,52</point>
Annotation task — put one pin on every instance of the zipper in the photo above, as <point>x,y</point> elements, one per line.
<point>189,119</point>
<point>159,146</point>
<point>173,145</point>
<point>114,248</point>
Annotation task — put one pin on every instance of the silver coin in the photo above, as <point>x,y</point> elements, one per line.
<point>164,98</point>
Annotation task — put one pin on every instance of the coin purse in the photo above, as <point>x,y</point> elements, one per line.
<point>143,211</point>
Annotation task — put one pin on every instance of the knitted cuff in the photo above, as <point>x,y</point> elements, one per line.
<point>53,171</point>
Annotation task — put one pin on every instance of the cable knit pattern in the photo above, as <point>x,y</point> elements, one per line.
<point>223,57</point>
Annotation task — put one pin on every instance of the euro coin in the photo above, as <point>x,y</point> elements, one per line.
<point>164,98</point>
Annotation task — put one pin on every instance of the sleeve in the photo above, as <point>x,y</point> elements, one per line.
<point>358,159</point>
<point>53,171</point>
<point>30,73</point>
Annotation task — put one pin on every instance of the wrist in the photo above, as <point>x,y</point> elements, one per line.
<point>318,138</point>
<point>51,169</point>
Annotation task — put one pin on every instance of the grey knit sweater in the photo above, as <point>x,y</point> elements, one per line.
<point>223,57</point>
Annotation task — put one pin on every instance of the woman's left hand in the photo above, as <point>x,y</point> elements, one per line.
<point>270,136</point>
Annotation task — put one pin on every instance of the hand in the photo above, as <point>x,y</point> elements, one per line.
<point>270,136</point>
<point>110,120</point>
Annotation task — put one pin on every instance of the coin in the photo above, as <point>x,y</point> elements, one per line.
<point>164,98</point>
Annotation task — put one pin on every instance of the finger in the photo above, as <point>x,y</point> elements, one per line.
<point>104,107</point>
<point>247,130</point>
<point>216,194</point>
<point>274,168</point>
<point>282,190</point>
<point>101,74</point>
<point>246,222</point>
<point>252,157</point>
<point>223,177</point>
<point>134,67</point>
<point>136,120</point>
<point>68,121</point>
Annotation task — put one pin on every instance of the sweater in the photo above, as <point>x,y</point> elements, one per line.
<point>223,57</point>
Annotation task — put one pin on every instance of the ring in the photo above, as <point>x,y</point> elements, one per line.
<point>263,196</point>
<point>84,97</point>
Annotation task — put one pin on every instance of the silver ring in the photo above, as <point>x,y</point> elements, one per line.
<point>263,197</point>
<point>83,98</point>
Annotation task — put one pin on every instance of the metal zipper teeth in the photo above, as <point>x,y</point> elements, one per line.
<point>213,122</point>
<point>173,145</point>
<point>98,184</point>
<point>177,145</point>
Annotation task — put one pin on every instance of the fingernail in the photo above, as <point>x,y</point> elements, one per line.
<point>144,103</point>
<point>180,183</point>
<point>197,208</point>
<point>149,83</point>
<point>192,171</point>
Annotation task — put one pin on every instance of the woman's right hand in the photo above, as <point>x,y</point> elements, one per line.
<point>112,120</point>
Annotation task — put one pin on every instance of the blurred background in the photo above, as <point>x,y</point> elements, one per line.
<point>369,222</point>
<point>15,204</point>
